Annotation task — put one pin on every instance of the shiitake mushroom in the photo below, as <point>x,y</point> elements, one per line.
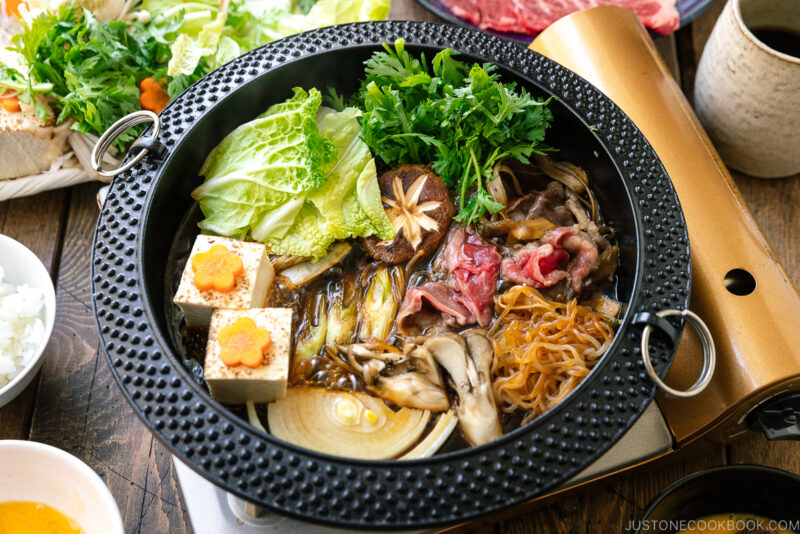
<point>418,203</point>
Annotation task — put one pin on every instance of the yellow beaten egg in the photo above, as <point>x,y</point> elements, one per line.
<point>17,517</point>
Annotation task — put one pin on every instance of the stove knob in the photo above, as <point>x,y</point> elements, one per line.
<point>778,418</point>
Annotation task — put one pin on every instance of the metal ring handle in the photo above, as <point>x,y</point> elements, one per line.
<point>110,135</point>
<point>709,355</point>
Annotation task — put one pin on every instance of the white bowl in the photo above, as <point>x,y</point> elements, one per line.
<point>36,472</point>
<point>21,266</point>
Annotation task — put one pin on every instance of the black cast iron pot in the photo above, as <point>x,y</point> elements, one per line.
<point>133,288</point>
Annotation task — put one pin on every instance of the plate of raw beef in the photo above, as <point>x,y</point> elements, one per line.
<point>520,20</point>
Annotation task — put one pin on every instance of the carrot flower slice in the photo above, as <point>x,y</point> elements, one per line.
<point>216,269</point>
<point>243,343</point>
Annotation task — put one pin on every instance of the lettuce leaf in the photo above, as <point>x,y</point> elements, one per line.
<point>262,165</point>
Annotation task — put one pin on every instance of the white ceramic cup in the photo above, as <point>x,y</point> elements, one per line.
<point>36,472</point>
<point>21,266</point>
<point>747,95</point>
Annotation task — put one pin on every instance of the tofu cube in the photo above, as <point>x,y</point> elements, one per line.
<point>251,290</point>
<point>239,384</point>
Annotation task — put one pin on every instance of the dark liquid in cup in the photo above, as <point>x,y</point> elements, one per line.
<point>780,39</point>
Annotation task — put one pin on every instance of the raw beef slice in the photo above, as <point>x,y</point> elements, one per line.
<point>533,16</point>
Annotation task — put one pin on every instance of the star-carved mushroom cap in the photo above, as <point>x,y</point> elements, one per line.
<point>418,204</point>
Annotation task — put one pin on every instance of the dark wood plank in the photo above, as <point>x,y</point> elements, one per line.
<point>757,450</point>
<point>690,42</point>
<point>609,507</point>
<point>38,223</point>
<point>80,408</point>
<point>775,204</point>
<point>667,48</point>
<point>410,10</point>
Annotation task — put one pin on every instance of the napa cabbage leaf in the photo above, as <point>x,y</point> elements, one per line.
<point>297,178</point>
<point>264,164</point>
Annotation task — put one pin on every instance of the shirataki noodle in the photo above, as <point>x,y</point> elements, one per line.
<point>543,349</point>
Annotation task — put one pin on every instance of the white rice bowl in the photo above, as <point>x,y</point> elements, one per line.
<point>22,328</point>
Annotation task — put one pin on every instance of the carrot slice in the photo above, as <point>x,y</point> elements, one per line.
<point>12,7</point>
<point>216,269</point>
<point>10,102</point>
<point>152,96</point>
<point>243,343</point>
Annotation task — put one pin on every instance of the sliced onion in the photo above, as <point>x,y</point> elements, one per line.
<point>252,417</point>
<point>302,273</point>
<point>571,176</point>
<point>568,174</point>
<point>354,425</point>
<point>280,263</point>
<point>496,188</point>
<point>435,439</point>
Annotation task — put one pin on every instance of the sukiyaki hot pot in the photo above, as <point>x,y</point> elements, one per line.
<point>418,343</point>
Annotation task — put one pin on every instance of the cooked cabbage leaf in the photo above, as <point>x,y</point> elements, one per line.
<point>255,186</point>
<point>350,198</point>
<point>347,205</point>
<point>262,165</point>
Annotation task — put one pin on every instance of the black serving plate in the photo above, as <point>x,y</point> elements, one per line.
<point>132,293</point>
<point>742,489</point>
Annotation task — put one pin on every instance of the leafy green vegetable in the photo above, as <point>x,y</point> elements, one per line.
<point>264,164</point>
<point>350,199</point>
<point>296,178</point>
<point>90,68</point>
<point>348,204</point>
<point>305,5</point>
<point>219,32</point>
<point>330,12</point>
<point>459,117</point>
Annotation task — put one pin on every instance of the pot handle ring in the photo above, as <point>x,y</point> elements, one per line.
<point>659,321</point>
<point>138,150</point>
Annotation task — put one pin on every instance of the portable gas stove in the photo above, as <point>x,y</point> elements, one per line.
<point>214,511</point>
<point>739,287</point>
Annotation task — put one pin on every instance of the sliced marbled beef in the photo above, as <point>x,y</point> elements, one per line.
<point>533,16</point>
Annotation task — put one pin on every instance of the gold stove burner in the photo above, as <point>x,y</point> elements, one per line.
<point>739,287</point>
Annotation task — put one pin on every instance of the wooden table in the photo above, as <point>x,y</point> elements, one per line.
<point>74,404</point>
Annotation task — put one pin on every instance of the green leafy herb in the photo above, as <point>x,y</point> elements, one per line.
<point>334,99</point>
<point>306,5</point>
<point>92,69</point>
<point>459,117</point>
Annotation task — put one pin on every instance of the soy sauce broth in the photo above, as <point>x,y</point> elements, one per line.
<point>784,40</point>
<point>191,342</point>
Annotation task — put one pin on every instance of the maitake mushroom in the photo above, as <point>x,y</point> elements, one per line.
<point>467,360</point>
<point>418,204</point>
<point>409,379</point>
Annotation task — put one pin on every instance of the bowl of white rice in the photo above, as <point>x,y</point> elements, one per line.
<point>27,314</point>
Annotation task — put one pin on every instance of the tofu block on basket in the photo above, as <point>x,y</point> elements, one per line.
<point>236,384</point>
<point>250,290</point>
